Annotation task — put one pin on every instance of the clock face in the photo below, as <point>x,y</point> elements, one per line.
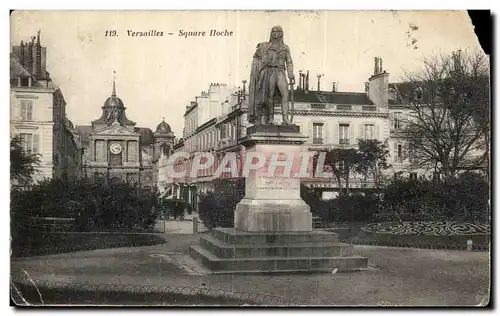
<point>115,148</point>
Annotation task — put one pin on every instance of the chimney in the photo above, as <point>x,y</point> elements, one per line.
<point>29,62</point>
<point>377,86</point>
<point>307,81</point>
<point>23,62</point>
<point>334,87</point>
<point>319,81</point>
<point>300,80</point>
<point>375,69</point>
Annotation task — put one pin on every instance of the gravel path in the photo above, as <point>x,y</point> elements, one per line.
<point>396,276</point>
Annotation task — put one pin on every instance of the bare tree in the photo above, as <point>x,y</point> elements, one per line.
<point>369,159</point>
<point>449,103</point>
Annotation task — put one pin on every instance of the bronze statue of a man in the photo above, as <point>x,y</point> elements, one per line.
<point>268,82</point>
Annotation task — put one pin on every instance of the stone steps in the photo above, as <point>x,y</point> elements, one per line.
<point>323,249</point>
<point>276,264</point>
<point>228,250</point>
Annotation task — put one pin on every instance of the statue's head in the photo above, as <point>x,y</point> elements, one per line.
<point>277,34</point>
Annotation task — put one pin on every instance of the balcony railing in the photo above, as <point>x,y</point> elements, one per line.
<point>317,140</point>
<point>369,108</point>
<point>344,141</point>
<point>318,106</point>
<point>344,107</point>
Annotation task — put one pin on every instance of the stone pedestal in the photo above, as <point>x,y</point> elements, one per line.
<point>273,229</point>
<point>272,201</point>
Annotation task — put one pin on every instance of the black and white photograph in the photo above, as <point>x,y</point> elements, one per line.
<point>249,158</point>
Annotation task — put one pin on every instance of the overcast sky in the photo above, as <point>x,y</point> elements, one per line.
<point>157,76</point>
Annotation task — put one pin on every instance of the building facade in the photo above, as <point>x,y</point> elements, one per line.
<point>38,114</point>
<point>114,148</point>
<point>330,119</point>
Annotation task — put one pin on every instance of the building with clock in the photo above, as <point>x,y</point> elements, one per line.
<point>115,148</point>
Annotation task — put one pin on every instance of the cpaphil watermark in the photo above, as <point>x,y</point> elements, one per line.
<point>300,164</point>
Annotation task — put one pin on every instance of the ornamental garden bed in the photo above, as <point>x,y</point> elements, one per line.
<point>436,235</point>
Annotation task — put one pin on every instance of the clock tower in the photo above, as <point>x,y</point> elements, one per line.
<point>116,149</point>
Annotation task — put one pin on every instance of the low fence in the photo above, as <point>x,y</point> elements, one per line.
<point>26,291</point>
<point>160,226</point>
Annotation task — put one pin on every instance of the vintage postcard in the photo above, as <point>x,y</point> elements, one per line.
<point>249,158</point>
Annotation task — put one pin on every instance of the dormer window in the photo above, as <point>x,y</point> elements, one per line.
<point>25,82</point>
<point>393,94</point>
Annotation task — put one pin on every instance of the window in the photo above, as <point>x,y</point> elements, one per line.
<point>29,142</point>
<point>397,120</point>
<point>223,131</point>
<point>26,110</point>
<point>399,153</point>
<point>413,176</point>
<point>132,151</point>
<point>369,131</point>
<point>317,133</point>
<point>344,133</point>
<point>233,129</point>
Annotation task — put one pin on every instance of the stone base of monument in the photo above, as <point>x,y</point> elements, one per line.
<point>254,215</point>
<point>228,250</point>
<point>272,224</point>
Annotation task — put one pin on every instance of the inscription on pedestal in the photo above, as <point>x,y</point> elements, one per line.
<point>269,187</point>
<point>278,184</point>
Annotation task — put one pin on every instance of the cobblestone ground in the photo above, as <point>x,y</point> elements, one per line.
<point>396,276</point>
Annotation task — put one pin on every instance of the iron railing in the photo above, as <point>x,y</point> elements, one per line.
<point>317,140</point>
<point>26,291</point>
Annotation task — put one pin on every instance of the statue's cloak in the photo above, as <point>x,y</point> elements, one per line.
<point>259,85</point>
<point>255,99</point>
